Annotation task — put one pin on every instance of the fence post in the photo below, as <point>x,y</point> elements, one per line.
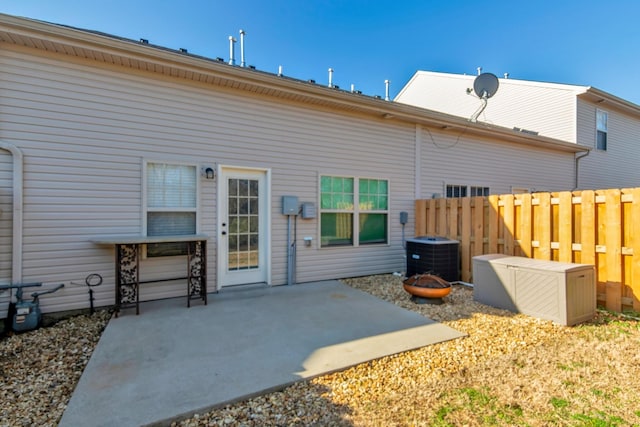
<point>465,240</point>
<point>565,224</point>
<point>431,217</point>
<point>441,230</point>
<point>635,244</point>
<point>493,224</point>
<point>525,224</point>
<point>477,225</point>
<point>509,216</point>
<point>453,219</point>
<point>614,251</point>
<point>421,217</point>
<point>543,226</point>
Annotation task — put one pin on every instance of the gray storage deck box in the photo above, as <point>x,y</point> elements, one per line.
<point>562,292</point>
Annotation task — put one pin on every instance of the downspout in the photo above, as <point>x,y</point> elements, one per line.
<point>577,159</point>
<point>16,257</point>
<point>417,159</point>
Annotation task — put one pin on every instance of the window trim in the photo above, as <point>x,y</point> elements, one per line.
<point>355,212</point>
<point>145,203</point>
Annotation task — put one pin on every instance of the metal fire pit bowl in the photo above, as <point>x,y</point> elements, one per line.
<point>427,288</point>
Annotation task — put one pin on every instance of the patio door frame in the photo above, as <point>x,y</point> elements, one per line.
<point>224,277</point>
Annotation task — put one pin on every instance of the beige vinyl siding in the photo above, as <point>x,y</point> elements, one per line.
<point>617,167</point>
<point>498,165</point>
<point>548,109</point>
<point>85,132</point>
<point>6,226</point>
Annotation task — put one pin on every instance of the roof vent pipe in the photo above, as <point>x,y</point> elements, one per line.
<point>479,70</point>
<point>232,60</point>
<point>506,75</point>
<point>330,77</point>
<point>386,90</point>
<point>242,33</point>
<point>353,88</point>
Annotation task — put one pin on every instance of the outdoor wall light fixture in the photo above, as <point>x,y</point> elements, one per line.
<point>208,172</point>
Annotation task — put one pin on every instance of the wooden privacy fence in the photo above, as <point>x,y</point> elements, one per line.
<point>600,227</point>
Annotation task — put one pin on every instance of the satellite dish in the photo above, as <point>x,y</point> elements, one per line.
<point>485,85</point>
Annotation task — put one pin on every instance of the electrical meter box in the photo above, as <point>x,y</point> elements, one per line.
<point>289,205</point>
<point>308,210</point>
<point>404,217</point>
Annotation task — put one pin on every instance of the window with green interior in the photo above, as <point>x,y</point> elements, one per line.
<point>171,203</point>
<point>353,211</point>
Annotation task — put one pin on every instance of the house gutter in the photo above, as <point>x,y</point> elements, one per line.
<point>16,258</point>
<point>600,97</point>
<point>578,158</point>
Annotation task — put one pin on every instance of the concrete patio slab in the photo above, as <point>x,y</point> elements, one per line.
<point>171,361</point>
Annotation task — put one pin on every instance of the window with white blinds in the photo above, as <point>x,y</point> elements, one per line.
<point>171,204</point>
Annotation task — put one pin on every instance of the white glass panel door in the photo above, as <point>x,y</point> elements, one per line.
<point>243,225</point>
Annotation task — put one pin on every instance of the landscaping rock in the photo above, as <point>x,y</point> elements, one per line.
<point>511,369</point>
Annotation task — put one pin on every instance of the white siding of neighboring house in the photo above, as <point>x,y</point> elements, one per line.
<point>6,226</point>
<point>499,166</point>
<point>549,109</point>
<point>617,167</point>
<point>85,132</point>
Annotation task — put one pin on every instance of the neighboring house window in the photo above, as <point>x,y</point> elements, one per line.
<point>343,222</point>
<point>464,191</point>
<point>456,191</point>
<point>601,130</point>
<point>171,205</point>
<point>479,191</point>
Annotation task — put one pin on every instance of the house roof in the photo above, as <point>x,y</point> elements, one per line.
<point>587,93</point>
<point>113,50</point>
<point>595,95</point>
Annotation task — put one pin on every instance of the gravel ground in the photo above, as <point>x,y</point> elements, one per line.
<point>510,370</point>
<point>40,369</point>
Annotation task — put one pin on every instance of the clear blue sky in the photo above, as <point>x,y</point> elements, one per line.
<point>592,43</point>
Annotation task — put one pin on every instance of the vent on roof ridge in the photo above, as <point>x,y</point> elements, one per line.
<point>527,131</point>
